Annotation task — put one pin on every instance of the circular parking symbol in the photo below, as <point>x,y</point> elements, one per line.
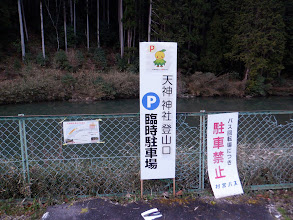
<point>150,101</point>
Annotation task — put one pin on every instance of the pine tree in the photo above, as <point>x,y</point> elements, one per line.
<point>259,41</point>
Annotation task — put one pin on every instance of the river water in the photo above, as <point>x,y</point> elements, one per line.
<point>132,106</point>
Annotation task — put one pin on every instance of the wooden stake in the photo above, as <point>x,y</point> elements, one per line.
<point>174,187</point>
<point>141,188</point>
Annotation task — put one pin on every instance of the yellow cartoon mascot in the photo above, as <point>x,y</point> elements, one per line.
<point>160,62</point>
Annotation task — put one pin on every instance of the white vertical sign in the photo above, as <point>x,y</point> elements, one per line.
<point>221,148</point>
<point>158,89</point>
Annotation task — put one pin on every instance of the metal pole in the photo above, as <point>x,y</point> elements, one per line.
<point>141,188</point>
<point>22,149</point>
<point>200,150</point>
<point>174,187</point>
<point>25,151</point>
<point>203,147</point>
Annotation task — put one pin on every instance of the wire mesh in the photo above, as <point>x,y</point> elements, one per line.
<point>35,162</point>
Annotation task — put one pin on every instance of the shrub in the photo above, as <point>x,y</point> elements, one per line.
<point>61,61</point>
<point>100,59</point>
<point>68,79</point>
<point>16,65</point>
<point>125,84</point>
<point>207,84</point>
<point>256,86</point>
<point>121,63</point>
<point>80,58</point>
<point>106,87</point>
<point>134,67</point>
<point>40,60</point>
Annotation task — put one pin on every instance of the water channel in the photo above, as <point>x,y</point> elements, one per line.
<point>132,106</point>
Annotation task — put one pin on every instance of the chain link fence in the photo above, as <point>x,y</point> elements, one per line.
<point>35,162</point>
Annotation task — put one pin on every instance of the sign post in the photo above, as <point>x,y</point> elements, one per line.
<point>158,85</point>
<point>222,146</point>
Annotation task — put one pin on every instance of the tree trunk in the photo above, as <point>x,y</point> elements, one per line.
<point>150,22</point>
<point>65,28</point>
<point>134,32</point>
<point>120,16</point>
<point>87,25</point>
<point>21,30</point>
<point>24,21</point>
<point>55,24</point>
<point>108,13</point>
<point>246,75</point>
<point>71,13</point>
<point>98,23</point>
<point>42,30</point>
<point>104,9</point>
<point>74,19</point>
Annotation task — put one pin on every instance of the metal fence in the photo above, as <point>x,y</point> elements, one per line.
<point>34,162</point>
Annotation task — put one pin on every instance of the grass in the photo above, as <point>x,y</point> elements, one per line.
<point>77,177</point>
<point>23,209</point>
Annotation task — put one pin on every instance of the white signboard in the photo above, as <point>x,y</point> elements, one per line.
<point>158,85</point>
<point>81,132</point>
<point>222,146</point>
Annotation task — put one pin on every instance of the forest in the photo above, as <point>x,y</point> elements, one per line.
<point>250,40</point>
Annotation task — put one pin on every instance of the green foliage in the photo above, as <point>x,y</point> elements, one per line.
<point>107,88</point>
<point>259,41</point>
<point>186,23</point>
<point>134,66</point>
<point>80,58</point>
<point>40,60</point>
<point>212,56</point>
<point>258,86</point>
<point>100,58</point>
<point>121,63</point>
<point>16,45</point>
<point>61,60</point>
<point>213,36</point>
<point>288,19</point>
<point>68,79</point>
<point>16,65</point>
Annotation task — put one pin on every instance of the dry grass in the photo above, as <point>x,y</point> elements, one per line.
<point>207,84</point>
<point>34,83</point>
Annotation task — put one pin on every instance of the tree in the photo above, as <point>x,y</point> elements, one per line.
<point>65,26</point>
<point>71,13</point>
<point>120,17</point>
<point>184,22</point>
<point>24,21</point>
<point>98,23</point>
<point>288,19</point>
<point>54,23</point>
<point>87,25</point>
<point>21,30</point>
<point>259,41</point>
<point>74,18</point>
<point>42,29</point>
<point>150,22</point>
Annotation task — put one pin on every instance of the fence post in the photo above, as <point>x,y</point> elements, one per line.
<point>22,148</point>
<point>202,144</point>
<point>25,151</point>
<point>24,155</point>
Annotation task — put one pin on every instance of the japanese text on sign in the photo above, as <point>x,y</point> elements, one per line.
<point>222,145</point>
<point>158,85</point>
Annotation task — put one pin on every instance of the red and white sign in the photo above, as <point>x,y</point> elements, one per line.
<point>221,149</point>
